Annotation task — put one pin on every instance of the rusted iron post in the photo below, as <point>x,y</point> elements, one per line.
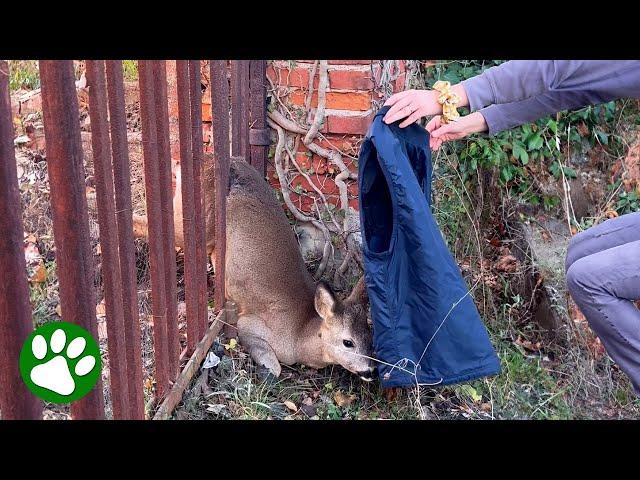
<point>155,225</point>
<point>220,109</point>
<point>188,204</point>
<point>166,202</point>
<point>105,196</point>
<point>195,90</point>
<point>259,135</point>
<point>239,108</point>
<point>16,401</point>
<point>65,165</point>
<point>122,183</point>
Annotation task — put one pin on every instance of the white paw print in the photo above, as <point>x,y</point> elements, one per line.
<point>55,375</point>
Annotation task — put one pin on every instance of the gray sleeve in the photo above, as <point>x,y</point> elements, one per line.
<point>508,115</point>
<point>519,80</point>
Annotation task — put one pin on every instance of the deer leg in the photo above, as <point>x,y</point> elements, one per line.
<point>251,336</point>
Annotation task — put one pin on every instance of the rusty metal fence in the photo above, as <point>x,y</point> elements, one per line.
<point>239,103</point>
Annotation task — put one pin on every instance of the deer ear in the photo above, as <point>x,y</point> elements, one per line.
<point>359,293</point>
<point>324,301</point>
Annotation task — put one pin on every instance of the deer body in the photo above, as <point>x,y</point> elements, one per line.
<point>283,315</point>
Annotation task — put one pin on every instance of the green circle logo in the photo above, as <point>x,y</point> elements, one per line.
<point>60,362</point>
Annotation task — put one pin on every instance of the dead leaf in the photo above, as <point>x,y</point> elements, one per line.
<point>101,309</point>
<point>611,214</point>
<point>508,264</point>
<point>59,310</point>
<point>30,238</point>
<point>98,249</point>
<point>308,401</point>
<point>342,399</point>
<point>485,407</point>
<point>39,275</point>
<point>291,406</point>
<point>528,345</point>
<point>148,384</point>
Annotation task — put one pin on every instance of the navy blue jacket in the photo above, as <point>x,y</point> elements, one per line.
<point>426,326</point>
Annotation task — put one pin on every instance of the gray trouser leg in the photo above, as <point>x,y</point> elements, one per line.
<point>603,277</point>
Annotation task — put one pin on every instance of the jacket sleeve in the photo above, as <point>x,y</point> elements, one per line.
<point>508,115</point>
<point>519,80</point>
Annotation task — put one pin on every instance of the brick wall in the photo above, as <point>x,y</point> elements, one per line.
<point>349,109</point>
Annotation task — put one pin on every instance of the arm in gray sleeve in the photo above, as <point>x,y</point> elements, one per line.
<point>508,115</point>
<point>519,80</point>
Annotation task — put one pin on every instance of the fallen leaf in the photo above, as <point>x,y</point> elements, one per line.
<point>59,310</point>
<point>39,275</point>
<point>611,214</point>
<point>307,401</point>
<point>471,393</point>
<point>291,406</point>
<point>342,399</point>
<point>485,407</point>
<point>101,309</point>
<point>30,238</point>
<point>148,384</point>
<point>20,171</point>
<point>508,264</point>
<point>231,345</point>
<point>98,249</point>
<point>528,345</point>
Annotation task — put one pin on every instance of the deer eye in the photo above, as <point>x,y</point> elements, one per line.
<point>347,343</point>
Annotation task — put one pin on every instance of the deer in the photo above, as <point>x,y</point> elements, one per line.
<point>284,316</point>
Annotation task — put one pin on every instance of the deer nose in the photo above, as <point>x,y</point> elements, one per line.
<point>367,375</point>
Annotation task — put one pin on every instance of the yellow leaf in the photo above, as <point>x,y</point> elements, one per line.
<point>291,406</point>
<point>342,399</point>
<point>231,345</point>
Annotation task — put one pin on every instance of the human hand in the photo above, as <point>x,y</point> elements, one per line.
<point>444,132</point>
<point>412,105</point>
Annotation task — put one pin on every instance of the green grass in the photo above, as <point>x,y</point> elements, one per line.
<point>23,75</point>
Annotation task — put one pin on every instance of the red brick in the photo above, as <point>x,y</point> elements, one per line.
<point>351,125</point>
<point>350,62</point>
<point>324,183</point>
<point>350,80</point>
<point>206,112</point>
<point>354,101</point>
<point>296,77</point>
<point>352,189</point>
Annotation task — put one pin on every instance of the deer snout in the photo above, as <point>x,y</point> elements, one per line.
<point>368,375</point>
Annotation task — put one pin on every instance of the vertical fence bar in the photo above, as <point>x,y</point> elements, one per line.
<point>155,225</point>
<point>16,401</point>
<point>239,108</point>
<point>122,183</point>
<point>259,133</point>
<point>69,210</point>
<point>195,87</point>
<point>105,196</point>
<point>220,109</point>
<point>166,201</point>
<point>188,204</point>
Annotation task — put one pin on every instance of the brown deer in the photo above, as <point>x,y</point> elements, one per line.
<point>284,316</point>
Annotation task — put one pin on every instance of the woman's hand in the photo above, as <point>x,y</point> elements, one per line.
<point>445,132</point>
<point>412,105</point>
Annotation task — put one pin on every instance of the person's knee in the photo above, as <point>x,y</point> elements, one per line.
<point>573,250</point>
<point>579,279</point>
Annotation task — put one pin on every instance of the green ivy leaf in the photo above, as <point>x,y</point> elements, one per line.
<point>520,153</point>
<point>535,142</point>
